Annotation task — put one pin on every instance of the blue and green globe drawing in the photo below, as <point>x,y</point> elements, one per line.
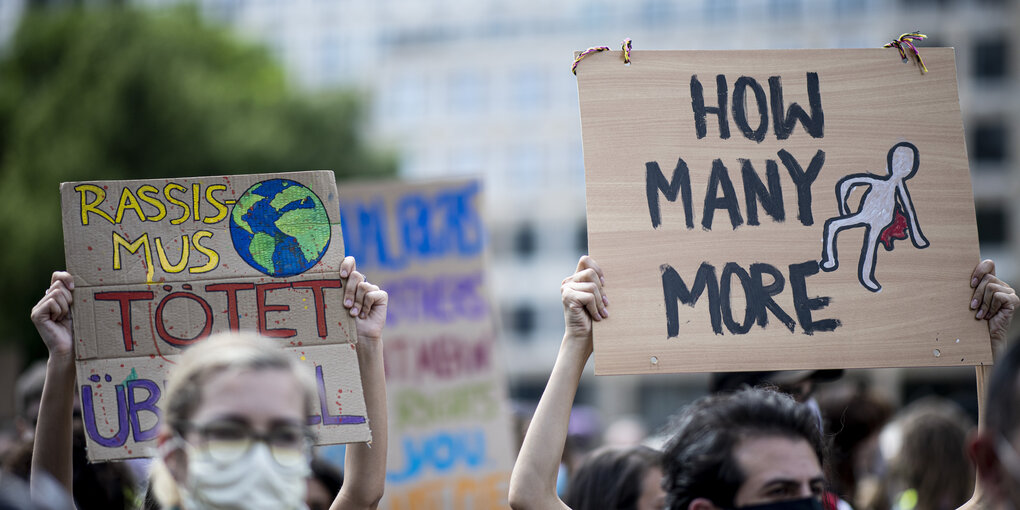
<point>280,227</point>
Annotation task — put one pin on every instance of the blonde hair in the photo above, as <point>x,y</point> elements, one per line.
<point>223,352</point>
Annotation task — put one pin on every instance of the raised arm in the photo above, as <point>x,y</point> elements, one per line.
<point>533,481</point>
<point>365,464</point>
<point>908,208</point>
<point>52,450</point>
<point>995,302</point>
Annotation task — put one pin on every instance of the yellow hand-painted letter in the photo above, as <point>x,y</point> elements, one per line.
<point>93,206</point>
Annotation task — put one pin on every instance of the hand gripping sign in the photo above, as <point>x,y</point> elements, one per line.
<point>161,264</point>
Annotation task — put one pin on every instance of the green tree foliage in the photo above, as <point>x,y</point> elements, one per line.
<point>115,93</point>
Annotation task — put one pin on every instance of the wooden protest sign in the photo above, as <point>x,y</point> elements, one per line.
<point>161,264</point>
<point>449,425</point>
<point>764,210</point>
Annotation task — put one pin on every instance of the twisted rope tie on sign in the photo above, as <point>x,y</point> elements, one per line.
<point>906,40</point>
<point>596,49</point>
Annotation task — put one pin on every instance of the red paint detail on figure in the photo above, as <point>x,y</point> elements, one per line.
<point>895,230</point>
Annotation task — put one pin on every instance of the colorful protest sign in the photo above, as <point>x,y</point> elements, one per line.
<point>763,210</point>
<point>158,265</point>
<point>449,431</point>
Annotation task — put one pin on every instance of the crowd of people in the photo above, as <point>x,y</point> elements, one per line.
<point>235,435</point>
<point>752,447</point>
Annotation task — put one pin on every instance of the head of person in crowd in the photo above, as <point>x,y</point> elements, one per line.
<point>323,484</point>
<point>926,448</point>
<point>27,394</point>
<point>853,416</point>
<point>235,433</point>
<point>619,478</point>
<point>996,448</point>
<point>101,485</point>
<point>754,448</point>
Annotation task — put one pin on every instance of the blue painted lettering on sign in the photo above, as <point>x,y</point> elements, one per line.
<point>441,452</point>
<point>420,227</point>
<point>127,413</point>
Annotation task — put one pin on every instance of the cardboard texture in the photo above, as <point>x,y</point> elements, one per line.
<point>765,210</point>
<point>161,264</point>
<point>449,424</point>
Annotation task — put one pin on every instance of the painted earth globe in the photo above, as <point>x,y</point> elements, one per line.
<point>280,227</point>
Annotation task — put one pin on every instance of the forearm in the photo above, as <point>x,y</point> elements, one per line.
<point>365,464</point>
<point>533,482</point>
<point>52,449</point>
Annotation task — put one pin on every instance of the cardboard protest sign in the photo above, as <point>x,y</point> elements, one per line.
<point>762,210</point>
<point>449,428</point>
<point>159,265</point>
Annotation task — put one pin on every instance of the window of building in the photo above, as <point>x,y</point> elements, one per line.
<point>527,171</point>
<point>991,58</point>
<point>529,90</point>
<point>850,6</point>
<point>523,319</point>
<point>529,392</point>
<point>467,92</point>
<point>720,11</point>
<point>993,224</point>
<point>926,3</point>
<point>525,240</point>
<point>657,12</point>
<point>989,142</point>
<point>406,100</point>
<point>333,61</point>
<point>784,9</point>
<point>466,161</point>
<point>526,391</point>
<point>659,401</point>
<point>595,15</point>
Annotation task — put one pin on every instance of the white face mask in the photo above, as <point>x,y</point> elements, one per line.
<point>257,481</point>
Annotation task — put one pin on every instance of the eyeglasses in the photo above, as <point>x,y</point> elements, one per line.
<point>229,441</point>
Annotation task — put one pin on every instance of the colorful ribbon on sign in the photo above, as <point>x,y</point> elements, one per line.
<point>907,40</point>
<point>585,53</point>
<point>596,49</point>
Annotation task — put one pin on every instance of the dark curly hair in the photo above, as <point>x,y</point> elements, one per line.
<point>699,462</point>
<point>610,478</point>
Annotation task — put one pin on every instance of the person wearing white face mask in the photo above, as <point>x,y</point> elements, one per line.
<point>234,430</point>
<point>235,437</point>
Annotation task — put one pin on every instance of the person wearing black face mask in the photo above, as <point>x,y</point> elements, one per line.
<point>755,449</point>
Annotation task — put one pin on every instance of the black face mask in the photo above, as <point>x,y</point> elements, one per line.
<point>792,504</point>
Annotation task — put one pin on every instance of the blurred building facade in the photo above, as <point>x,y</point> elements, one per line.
<point>483,87</point>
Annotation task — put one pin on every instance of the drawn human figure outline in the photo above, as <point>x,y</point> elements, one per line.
<point>886,213</point>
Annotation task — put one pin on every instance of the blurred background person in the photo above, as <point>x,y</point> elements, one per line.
<point>853,415</point>
<point>925,445</point>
